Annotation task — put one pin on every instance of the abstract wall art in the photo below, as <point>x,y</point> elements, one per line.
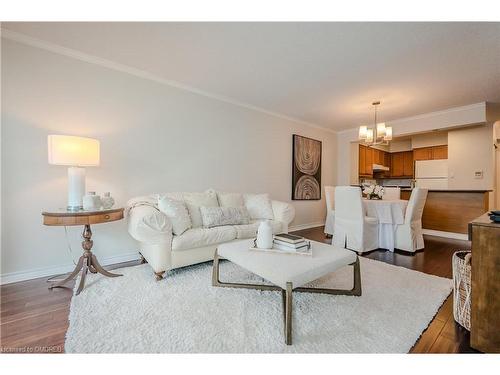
<point>306,168</point>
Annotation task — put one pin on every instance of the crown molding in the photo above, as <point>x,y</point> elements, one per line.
<point>88,58</point>
<point>425,115</point>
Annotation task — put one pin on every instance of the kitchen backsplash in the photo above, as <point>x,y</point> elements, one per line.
<point>406,182</point>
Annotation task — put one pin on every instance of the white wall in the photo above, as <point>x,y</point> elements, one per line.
<point>153,137</point>
<point>398,146</point>
<point>429,139</point>
<point>471,150</point>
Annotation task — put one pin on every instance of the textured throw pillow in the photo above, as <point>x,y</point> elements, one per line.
<point>195,200</point>
<point>177,213</point>
<point>217,216</point>
<point>259,206</point>
<point>230,199</point>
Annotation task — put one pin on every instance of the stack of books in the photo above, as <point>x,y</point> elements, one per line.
<point>290,242</point>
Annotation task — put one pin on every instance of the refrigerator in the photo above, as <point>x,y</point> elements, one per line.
<point>431,174</point>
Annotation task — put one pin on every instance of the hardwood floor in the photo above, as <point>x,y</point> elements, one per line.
<point>34,319</point>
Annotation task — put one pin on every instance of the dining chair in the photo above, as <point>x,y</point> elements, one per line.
<point>409,235</point>
<point>353,229</point>
<point>391,193</point>
<point>330,210</point>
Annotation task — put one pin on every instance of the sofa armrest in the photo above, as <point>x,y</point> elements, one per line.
<point>283,212</point>
<point>148,225</point>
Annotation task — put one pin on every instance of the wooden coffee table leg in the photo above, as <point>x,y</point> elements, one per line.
<point>288,314</point>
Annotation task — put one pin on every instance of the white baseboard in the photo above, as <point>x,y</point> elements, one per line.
<point>306,226</point>
<point>438,233</point>
<point>14,277</point>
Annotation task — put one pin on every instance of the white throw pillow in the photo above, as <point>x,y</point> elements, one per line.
<point>259,206</point>
<point>218,216</point>
<point>195,200</point>
<point>177,213</point>
<point>230,199</point>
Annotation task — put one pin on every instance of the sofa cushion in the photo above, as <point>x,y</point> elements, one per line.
<point>176,212</point>
<point>219,216</point>
<point>250,230</point>
<point>259,206</point>
<point>195,200</point>
<point>230,199</point>
<point>246,231</point>
<point>200,237</point>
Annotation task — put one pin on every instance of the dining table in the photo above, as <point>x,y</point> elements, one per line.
<point>390,213</point>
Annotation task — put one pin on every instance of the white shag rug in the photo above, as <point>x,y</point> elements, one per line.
<point>185,314</point>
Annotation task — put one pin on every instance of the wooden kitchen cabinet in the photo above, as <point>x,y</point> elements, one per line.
<point>424,153</point>
<point>387,159</point>
<point>408,164</point>
<point>431,153</point>
<point>402,164</point>
<point>362,160</point>
<point>379,157</point>
<point>369,161</point>
<point>440,152</point>
<point>369,156</point>
<point>397,164</point>
<point>366,157</point>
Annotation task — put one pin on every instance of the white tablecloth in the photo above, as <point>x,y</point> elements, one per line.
<point>389,213</point>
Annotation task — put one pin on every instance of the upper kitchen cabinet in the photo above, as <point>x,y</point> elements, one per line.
<point>424,153</point>
<point>369,161</point>
<point>440,152</point>
<point>362,160</point>
<point>397,164</point>
<point>408,163</point>
<point>431,153</point>
<point>402,164</point>
<point>378,157</point>
<point>369,156</point>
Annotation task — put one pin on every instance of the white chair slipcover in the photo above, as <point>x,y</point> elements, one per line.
<point>330,209</point>
<point>390,214</point>
<point>391,193</point>
<point>353,229</point>
<point>409,235</point>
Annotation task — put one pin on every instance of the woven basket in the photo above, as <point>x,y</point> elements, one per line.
<point>462,288</point>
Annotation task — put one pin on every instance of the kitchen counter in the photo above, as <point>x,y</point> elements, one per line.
<point>453,190</point>
<point>451,210</point>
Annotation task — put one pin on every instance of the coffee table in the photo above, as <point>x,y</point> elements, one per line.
<point>288,272</point>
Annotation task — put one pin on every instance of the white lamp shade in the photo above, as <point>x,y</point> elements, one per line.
<point>73,151</point>
<point>381,129</point>
<point>362,132</point>
<point>388,133</point>
<point>369,135</point>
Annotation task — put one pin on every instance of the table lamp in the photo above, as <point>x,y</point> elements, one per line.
<point>75,152</point>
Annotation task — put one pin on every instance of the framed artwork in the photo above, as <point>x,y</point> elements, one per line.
<point>306,168</point>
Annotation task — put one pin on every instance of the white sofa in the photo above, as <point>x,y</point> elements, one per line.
<point>165,251</point>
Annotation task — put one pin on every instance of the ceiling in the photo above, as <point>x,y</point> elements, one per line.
<point>323,73</point>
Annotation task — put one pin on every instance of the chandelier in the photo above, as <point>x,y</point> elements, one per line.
<point>379,134</point>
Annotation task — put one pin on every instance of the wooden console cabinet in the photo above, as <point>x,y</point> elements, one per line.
<point>485,274</point>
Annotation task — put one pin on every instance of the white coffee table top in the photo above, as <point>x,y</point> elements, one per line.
<point>280,269</point>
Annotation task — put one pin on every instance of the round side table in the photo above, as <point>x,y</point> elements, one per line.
<point>88,261</point>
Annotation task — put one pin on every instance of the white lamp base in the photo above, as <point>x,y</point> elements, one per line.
<point>76,188</point>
